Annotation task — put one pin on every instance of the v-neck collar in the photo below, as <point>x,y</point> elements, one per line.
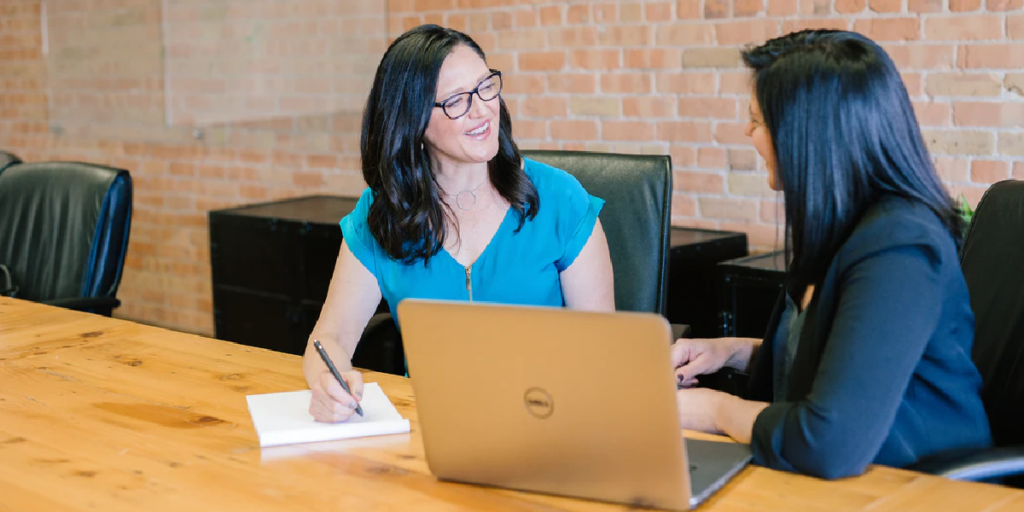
<point>498,232</point>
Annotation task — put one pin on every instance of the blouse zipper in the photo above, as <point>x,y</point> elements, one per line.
<point>469,282</point>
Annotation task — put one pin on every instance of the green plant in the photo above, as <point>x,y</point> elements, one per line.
<point>966,212</point>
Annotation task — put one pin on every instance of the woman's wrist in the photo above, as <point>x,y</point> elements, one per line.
<point>743,351</point>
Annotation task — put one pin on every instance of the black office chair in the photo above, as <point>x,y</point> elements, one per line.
<point>7,160</point>
<point>64,232</point>
<point>991,261</point>
<point>637,190</point>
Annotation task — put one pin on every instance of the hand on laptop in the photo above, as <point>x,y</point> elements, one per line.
<point>693,357</point>
<point>330,403</point>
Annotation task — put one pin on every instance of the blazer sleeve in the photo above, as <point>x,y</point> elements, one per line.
<point>890,301</point>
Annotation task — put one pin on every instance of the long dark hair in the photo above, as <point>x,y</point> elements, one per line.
<point>845,135</point>
<point>407,216</point>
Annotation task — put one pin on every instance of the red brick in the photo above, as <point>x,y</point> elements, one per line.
<point>573,130</point>
<point>684,131</point>
<point>746,8</point>
<point>715,108</point>
<point>1011,144</point>
<point>652,58</point>
<point>742,159</point>
<point>730,209</point>
<point>683,155</point>
<point>658,11</point>
<point>688,9</point>
<point>889,29</point>
<point>964,28</point>
<point>1018,170</point>
<point>998,115</point>
<point>686,83</point>
<point>985,56</point>
<point>922,56</point>
<point>886,5</point>
<point>627,130</point>
<point>717,9</point>
<point>572,83</point>
<point>964,5</point>
<point>782,7</point>
<point>1015,27</point>
<point>700,182</point>
<point>685,35</point>
<point>709,157</point>
<point>605,13</point>
<point>683,206</point>
<point>595,59</point>
<point>850,6</point>
<point>577,14</point>
<point>1005,5</point>
<point>551,15</point>
<point>812,24</point>
<point>543,107</point>
<point>745,32</point>
<point>628,83</point>
<point>933,114</point>
<point>963,84</point>
<point>573,36</point>
<point>952,169</point>
<point>731,133</point>
<point>923,6</point>
<point>649,106</point>
<point>816,7</point>
<point>541,61</point>
<point>631,13</point>
<point>626,35</point>
<point>989,171</point>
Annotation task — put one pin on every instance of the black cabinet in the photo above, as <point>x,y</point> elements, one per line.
<point>693,285</point>
<point>750,287</point>
<point>272,264</point>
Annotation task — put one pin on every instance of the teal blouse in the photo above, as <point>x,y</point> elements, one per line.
<point>515,268</point>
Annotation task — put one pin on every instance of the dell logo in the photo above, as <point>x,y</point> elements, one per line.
<point>538,403</point>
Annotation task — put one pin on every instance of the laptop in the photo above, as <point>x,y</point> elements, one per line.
<point>555,401</point>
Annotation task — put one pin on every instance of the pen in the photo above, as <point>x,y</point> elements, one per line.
<point>334,371</point>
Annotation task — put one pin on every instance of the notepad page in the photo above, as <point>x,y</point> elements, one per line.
<point>283,418</point>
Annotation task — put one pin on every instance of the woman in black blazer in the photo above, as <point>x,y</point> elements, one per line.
<point>867,358</point>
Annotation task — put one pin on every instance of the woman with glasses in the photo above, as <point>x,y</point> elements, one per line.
<point>452,211</point>
<point>867,358</point>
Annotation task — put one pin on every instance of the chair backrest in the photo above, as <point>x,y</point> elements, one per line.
<point>993,264</point>
<point>637,190</point>
<point>64,228</point>
<point>7,160</point>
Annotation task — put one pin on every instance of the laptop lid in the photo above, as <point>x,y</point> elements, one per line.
<point>548,400</point>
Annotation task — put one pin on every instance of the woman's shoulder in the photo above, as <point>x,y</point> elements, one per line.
<point>548,179</point>
<point>893,223</point>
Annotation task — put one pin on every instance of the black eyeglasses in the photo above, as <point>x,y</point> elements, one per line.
<point>459,104</point>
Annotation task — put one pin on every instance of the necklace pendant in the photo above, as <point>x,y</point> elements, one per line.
<point>466,200</point>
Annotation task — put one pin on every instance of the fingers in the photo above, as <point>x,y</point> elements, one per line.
<point>325,409</point>
<point>330,403</point>
<point>354,380</point>
<point>698,366</point>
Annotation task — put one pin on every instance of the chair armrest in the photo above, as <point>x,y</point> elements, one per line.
<point>974,465</point>
<point>99,305</point>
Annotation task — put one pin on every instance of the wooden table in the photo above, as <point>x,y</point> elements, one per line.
<point>104,414</point>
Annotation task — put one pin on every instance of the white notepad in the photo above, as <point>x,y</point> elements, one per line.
<point>283,418</point>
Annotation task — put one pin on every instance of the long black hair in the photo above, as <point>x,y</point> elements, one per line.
<point>407,216</point>
<point>844,134</point>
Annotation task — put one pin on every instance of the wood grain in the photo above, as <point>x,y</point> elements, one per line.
<point>104,414</point>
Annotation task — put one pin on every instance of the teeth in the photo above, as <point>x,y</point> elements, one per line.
<point>479,130</point>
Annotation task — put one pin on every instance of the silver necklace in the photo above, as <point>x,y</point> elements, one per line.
<point>466,198</point>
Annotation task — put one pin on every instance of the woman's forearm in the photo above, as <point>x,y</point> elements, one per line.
<point>744,353</point>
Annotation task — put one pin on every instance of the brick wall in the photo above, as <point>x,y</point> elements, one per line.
<point>628,76</point>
